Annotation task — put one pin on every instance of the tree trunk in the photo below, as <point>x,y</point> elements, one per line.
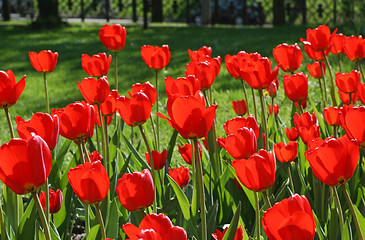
<point>157,14</point>
<point>6,10</point>
<point>279,13</point>
<point>48,14</point>
<point>206,13</point>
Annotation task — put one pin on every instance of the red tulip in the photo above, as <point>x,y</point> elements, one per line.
<point>347,82</point>
<point>333,160</point>
<point>9,90</point>
<point>77,121</point>
<point>180,175</point>
<point>136,190</point>
<point>353,121</point>
<point>97,65</point>
<point>345,97</point>
<point>181,86</point>
<point>288,57</point>
<point>232,66</point>
<point>296,86</point>
<point>355,48</point>
<point>239,107</point>
<point>219,235</point>
<point>189,116</point>
<point>259,74</point>
<point>157,227</point>
<point>332,116</point>
<point>338,44</point>
<point>185,152</point>
<point>307,126</point>
<point>257,173</point>
<point>97,118</point>
<point>302,103</point>
<point>292,133</point>
<point>147,88</point>
<point>315,56</point>
<point>241,144</point>
<point>205,72</point>
<point>25,164</point>
<point>276,109</point>
<point>135,110</point>
<point>95,156</point>
<point>89,181</point>
<point>42,124</point>
<point>292,218</point>
<point>315,69</point>
<point>360,92</point>
<point>286,152</point>
<point>236,123</point>
<point>156,57</point>
<point>109,106</point>
<point>55,200</point>
<point>44,61</point>
<point>273,89</point>
<point>320,38</point>
<point>113,37</point>
<point>94,91</point>
<point>159,159</point>
<point>200,55</point>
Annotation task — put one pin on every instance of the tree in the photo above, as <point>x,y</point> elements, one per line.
<point>206,13</point>
<point>157,14</point>
<point>6,12</point>
<point>49,16</point>
<point>279,12</point>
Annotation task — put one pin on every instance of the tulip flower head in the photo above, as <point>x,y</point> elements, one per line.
<point>233,125</point>
<point>182,86</point>
<point>186,154</point>
<point>355,48</point>
<point>42,124</point>
<point>156,57</point>
<point>273,109</point>
<point>136,190</point>
<point>347,82</point>
<point>113,37</point>
<point>55,200</point>
<point>315,69</point>
<point>159,159</point>
<point>153,226</point>
<point>296,86</point>
<point>180,175</point>
<point>352,120</point>
<point>95,156</point>
<point>315,56</point>
<point>320,38</point>
<point>292,133</point>
<point>360,92</point>
<point>44,61</point>
<point>89,181</point>
<point>286,152</point>
<point>25,164</point>
<point>109,106</point>
<point>307,126</point>
<point>10,90</point>
<point>218,235</point>
<point>239,107</point>
<point>205,72</point>
<point>134,110</point>
<point>338,44</point>
<point>332,116</point>
<point>201,54</point>
<point>96,65</point>
<point>292,218</point>
<point>95,91</point>
<point>147,88</point>
<point>288,57</point>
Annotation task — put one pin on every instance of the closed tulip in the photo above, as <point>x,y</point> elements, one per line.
<point>355,48</point>
<point>286,152</point>
<point>95,156</point>
<point>345,97</point>
<point>307,126</point>
<point>292,133</point>
<point>55,200</point>
<point>42,124</point>
<point>44,61</point>
<point>232,66</point>
<point>232,125</point>
<point>97,65</point>
<point>89,181</point>
<point>10,91</point>
<point>315,69</point>
<point>157,227</point>
<point>315,56</point>
<point>257,173</point>
<point>347,82</point>
<point>135,110</point>
<point>273,109</point>
<point>180,175</point>
<point>338,44</point>
<point>185,152</point>
<point>159,159</point>
<point>320,38</point>
<point>333,160</point>
<point>205,72</point>
<point>332,116</point>
<point>291,218</point>
<point>147,88</point>
<point>360,92</point>
<point>95,91</point>
<point>288,57</point>
<point>239,107</point>
<point>183,86</point>
<point>189,116</point>
<point>25,164</point>
<point>296,86</point>
<point>136,190</point>
<point>218,235</point>
<point>113,37</point>
<point>109,106</point>
<point>156,57</point>
<point>201,54</point>
<point>353,122</point>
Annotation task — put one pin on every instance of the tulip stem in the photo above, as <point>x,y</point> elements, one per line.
<point>42,216</point>
<point>290,177</point>
<point>46,91</point>
<point>332,81</point>
<point>254,102</point>
<point>85,152</point>
<point>82,158</point>
<point>357,224</point>
<point>157,121</point>
<point>256,194</point>
<point>106,143</point>
<point>199,175</point>
<point>87,220</point>
<point>2,224</point>
<point>264,119</point>
<point>245,93</point>
<point>339,62</point>
<point>100,217</point>
<point>151,164</point>
<point>324,84</point>
<point>339,209</point>
<point>361,71</point>
<point>323,98</point>
<point>46,209</point>
<point>334,131</point>
<point>9,122</point>
<point>267,200</point>
<point>153,130</point>
<point>103,140</point>
<point>116,69</point>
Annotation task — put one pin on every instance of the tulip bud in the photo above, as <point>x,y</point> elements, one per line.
<point>272,89</point>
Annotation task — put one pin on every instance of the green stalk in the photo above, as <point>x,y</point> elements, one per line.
<point>42,216</point>
<point>357,224</point>
<point>85,151</point>
<point>361,71</point>
<point>47,201</point>
<point>116,70</point>
<point>323,98</point>
<point>151,163</point>
<point>157,119</point>
<point>264,119</point>
<point>324,84</point>
<point>46,91</point>
<point>3,234</point>
<point>334,131</point>
<point>339,209</point>
<point>300,108</point>
<point>106,142</point>
<point>103,140</point>
<point>153,130</point>
<point>332,81</point>
<point>87,220</point>
<point>246,98</point>
<point>254,103</point>
<point>267,200</point>
<point>199,175</point>
<point>290,177</point>
<point>82,158</point>
<point>102,227</point>
<point>256,194</point>
<point>339,62</point>
<point>10,125</point>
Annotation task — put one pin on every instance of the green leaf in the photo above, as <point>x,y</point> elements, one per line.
<point>346,231</point>
<point>170,150</point>
<point>135,153</point>
<point>231,232</point>
<point>181,197</point>
<point>112,223</point>
<point>320,232</point>
<point>212,218</point>
<point>27,222</point>
<point>361,219</point>
<point>93,234</point>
